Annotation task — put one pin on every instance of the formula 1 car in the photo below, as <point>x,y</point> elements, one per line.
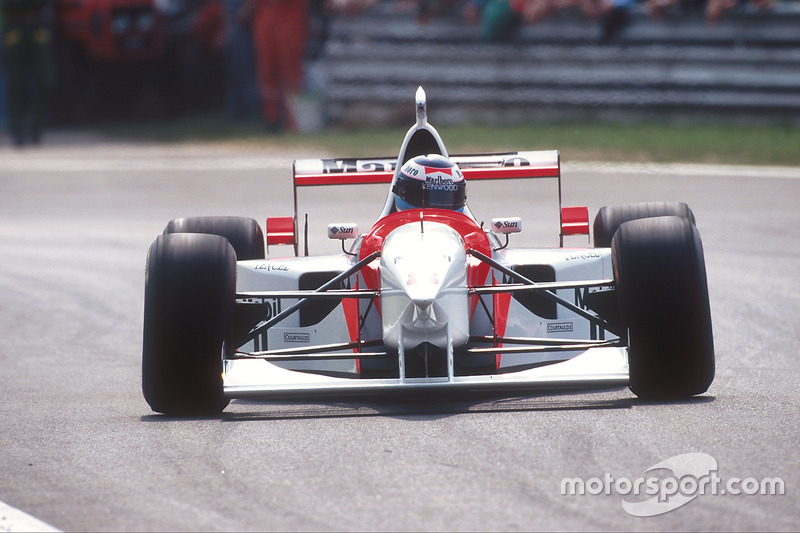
<point>425,300</point>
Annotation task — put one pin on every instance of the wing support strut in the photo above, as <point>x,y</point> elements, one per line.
<point>305,301</point>
<point>545,290</point>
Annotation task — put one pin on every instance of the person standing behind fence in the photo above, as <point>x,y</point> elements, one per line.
<point>2,79</point>
<point>241,99</point>
<point>280,31</point>
<point>28,66</point>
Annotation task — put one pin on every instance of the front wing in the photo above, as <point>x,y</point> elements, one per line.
<point>605,367</point>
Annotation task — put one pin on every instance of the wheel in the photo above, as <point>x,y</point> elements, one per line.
<point>609,219</point>
<point>243,233</point>
<point>662,290</point>
<point>190,294</point>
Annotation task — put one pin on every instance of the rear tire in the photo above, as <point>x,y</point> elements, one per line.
<point>190,294</point>
<point>609,219</point>
<point>244,234</point>
<point>662,291</point>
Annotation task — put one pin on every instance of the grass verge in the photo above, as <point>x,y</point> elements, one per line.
<point>696,143</point>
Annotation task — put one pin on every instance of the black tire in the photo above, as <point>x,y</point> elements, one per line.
<point>190,294</point>
<point>609,218</point>
<point>244,234</point>
<point>662,290</point>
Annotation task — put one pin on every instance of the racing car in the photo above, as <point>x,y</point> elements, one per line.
<point>427,299</point>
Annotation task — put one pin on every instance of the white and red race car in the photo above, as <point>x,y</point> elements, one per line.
<point>426,299</point>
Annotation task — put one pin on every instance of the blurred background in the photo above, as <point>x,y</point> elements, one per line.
<point>305,66</point>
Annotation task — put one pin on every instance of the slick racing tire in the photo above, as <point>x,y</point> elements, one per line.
<point>244,234</point>
<point>190,294</point>
<point>662,290</point>
<point>609,218</point>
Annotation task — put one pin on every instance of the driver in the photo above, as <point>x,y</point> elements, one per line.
<point>430,181</point>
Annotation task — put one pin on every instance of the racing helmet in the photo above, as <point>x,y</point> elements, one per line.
<point>430,181</point>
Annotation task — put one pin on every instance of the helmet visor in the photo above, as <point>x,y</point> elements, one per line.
<point>436,193</point>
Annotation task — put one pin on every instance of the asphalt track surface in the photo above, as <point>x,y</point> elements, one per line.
<point>81,450</point>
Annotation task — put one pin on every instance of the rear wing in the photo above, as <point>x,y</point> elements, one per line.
<point>540,164</point>
<point>511,165</point>
<point>422,138</point>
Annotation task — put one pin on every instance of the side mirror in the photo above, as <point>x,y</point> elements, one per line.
<point>506,225</point>
<point>342,232</point>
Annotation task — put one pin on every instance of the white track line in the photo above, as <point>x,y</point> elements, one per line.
<point>12,519</point>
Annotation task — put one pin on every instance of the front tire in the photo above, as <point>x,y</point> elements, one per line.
<point>610,218</point>
<point>190,294</point>
<point>243,233</point>
<point>662,292</point>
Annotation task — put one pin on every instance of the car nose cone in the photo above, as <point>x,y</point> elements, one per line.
<point>423,284</point>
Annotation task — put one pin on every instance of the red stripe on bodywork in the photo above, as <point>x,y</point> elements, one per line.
<point>502,302</point>
<point>350,306</point>
<point>343,178</point>
<point>510,172</point>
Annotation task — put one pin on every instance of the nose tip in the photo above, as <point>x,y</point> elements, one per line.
<point>422,303</point>
<point>422,295</point>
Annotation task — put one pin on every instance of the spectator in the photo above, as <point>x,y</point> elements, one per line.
<point>2,81</point>
<point>473,10</point>
<point>498,19</point>
<point>241,94</point>
<point>685,7</point>
<point>428,9</point>
<point>28,66</point>
<point>280,31</point>
<point>319,19</point>
<point>351,7</point>
<point>206,38</point>
<point>612,15</point>
<point>713,9</point>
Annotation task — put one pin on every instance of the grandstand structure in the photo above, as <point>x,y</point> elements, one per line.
<point>746,67</point>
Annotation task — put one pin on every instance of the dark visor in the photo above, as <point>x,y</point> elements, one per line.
<point>449,195</point>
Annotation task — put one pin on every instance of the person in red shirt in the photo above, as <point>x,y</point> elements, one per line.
<point>280,32</point>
